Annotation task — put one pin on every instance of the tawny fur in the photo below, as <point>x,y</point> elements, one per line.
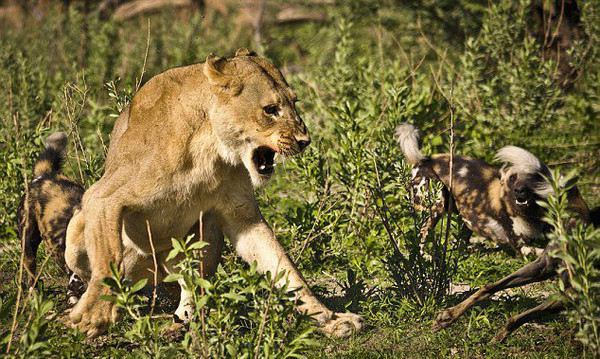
<point>188,143</point>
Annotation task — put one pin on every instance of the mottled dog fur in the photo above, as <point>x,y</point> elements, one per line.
<point>498,204</point>
<point>46,209</point>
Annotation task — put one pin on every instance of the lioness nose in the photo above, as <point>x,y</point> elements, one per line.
<point>302,136</point>
<point>303,144</point>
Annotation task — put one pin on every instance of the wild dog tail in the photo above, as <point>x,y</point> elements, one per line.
<point>52,158</point>
<point>408,136</point>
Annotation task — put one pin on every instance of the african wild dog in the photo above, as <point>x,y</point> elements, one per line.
<point>52,199</point>
<point>498,204</point>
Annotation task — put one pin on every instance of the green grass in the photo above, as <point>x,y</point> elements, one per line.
<point>368,68</point>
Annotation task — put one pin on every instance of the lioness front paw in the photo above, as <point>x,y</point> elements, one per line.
<point>92,315</point>
<point>341,325</point>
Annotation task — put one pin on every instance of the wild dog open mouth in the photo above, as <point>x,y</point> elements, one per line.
<point>521,201</point>
<point>264,160</point>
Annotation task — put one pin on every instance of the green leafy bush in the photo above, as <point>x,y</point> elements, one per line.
<point>579,248</point>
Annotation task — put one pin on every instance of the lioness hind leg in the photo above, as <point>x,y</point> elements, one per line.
<point>76,256</point>
<point>103,244</point>
<point>210,259</point>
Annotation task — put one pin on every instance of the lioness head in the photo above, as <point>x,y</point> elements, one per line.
<point>253,114</point>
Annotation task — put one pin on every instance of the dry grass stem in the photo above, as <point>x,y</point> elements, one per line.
<point>155,272</point>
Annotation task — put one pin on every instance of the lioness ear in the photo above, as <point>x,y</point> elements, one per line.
<point>242,51</point>
<point>213,69</point>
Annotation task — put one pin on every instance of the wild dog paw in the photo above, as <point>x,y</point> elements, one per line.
<point>444,320</point>
<point>342,325</point>
<point>501,335</point>
<point>506,330</point>
<point>92,315</point>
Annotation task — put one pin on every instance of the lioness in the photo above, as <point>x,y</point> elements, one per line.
<point>194,139</point>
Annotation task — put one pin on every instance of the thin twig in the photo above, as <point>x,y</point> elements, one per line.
<point>258,23</point>
<point>139,82</point>
<point>450,196</point>
<point>560,18</point>
<point>13,326</point>
<point>435,49</point>
<point>155,273</point>
<point>35,280</point>
<point>264,316</point>
<point>386,225</point>
<point>203,323</point>
<point>317,217</point>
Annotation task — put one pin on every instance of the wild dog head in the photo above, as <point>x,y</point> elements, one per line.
<point>255,116</point>
<point>523,179</point>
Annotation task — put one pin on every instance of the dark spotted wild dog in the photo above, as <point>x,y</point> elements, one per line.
<point>47,208</point>
<point>501,205</point>
<point>498,204</point>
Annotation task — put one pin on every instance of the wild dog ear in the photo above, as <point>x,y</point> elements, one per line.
<point>214,68</point>
<point>577,204</point>
<point>503,173</point>
<point>242,51</point>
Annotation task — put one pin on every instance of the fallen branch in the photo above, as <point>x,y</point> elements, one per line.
<point>139,7</point>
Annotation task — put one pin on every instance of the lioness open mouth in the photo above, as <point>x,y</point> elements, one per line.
<point>264,160</point>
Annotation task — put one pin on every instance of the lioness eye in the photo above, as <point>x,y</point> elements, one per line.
<point>271,110</point>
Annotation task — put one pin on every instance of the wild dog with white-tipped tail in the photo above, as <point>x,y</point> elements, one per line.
<point>45,211</point>
<point>499,204</point>
<point>496,203</point>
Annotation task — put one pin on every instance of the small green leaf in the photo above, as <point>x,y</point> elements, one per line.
<point>139,285</point>
<point>234,296</point>
<point>173,277</point>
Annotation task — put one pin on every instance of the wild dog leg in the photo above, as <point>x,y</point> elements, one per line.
<point>75,288</point>
<point>435,214</point>
<point>541,269</point>
<point>255,241</point>
<point>29,234</point>
<point>436,211</point>
<point>102,236</point>
<point>546,308</point>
